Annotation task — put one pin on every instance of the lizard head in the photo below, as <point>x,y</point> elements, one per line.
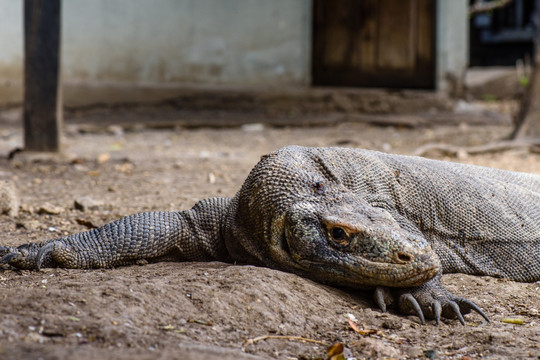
<point>349,242</point>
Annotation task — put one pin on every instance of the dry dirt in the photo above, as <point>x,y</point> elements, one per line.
<point>211,310</point>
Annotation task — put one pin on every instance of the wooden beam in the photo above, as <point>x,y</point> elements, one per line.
<point>42,88</point>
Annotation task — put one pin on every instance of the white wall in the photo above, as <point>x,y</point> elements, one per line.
<point>167,42</point>
<point>11,51</point>
<point>201,41</point>
<point>125,44</point>
<point>452,45</point>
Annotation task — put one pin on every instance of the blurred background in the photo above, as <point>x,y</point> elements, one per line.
<point>112,50</point>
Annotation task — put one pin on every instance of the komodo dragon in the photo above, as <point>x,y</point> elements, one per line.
<point>348,217</point>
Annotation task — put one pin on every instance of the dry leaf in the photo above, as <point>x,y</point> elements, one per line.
<point>515,321</point>
<point>103,158</point>
<point>335,352</point>
<point>362,331</point>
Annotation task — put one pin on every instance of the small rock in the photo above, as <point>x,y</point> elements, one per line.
<point>374,348</point>
<point>36,338</point>
<point>103,158</point>
<point>30,225</point>
<point>88,223</point>
<point>251,128</point>
<point>463,107</point>
<point>50,209</point>
<point>462,154</point>
<point>205,154</point>
<point>80,167</point>
<point>26,208</point>
<point>9,201</point>
<point>86,203</point>
<point>116,130</point>
<point>392,324</point>
<point>430,354</point>
<point>125,168</point>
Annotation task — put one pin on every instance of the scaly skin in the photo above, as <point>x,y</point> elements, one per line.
<point>347,217</point>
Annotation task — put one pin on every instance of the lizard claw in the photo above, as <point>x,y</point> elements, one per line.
<point>9,255</point>
<point>430,300</point>
<point>455,308</point>
<point>44,252</point>
<point>437,310</point>
<point>469,305</point>
<point>6,259</point>
<point>410,302</point>
<point>379,297</point>
<point>27,256</point>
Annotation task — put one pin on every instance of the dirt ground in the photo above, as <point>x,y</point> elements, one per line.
<point>213,310</point>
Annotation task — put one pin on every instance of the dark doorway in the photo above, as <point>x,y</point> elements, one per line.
<point>505,35</point>
<point>374,43</point>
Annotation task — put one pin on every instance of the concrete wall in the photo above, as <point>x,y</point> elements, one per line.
<point>178,41</point>
<point>11,51</point>
<point>133,50</point>
<point>452,45</point>
<point>111,43</point>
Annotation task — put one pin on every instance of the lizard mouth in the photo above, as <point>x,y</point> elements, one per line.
<point>367,274</point>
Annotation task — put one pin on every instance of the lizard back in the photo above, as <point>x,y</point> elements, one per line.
<point>478,220</point>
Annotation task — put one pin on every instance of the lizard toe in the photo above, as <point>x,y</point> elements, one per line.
<point>436,302</point>
<point>467,306</point>
<point>19,257</point>
<point>5,250</point>
<point>44,253</point>
<point>7,259</point>
<point>456,311</point>
<point>35,256</point>
<point>437,311</point>
<point>408,304</point>
<point>428,301</point>
<point>383,297</point>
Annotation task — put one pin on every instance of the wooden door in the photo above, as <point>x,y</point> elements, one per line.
<point>374,43</point>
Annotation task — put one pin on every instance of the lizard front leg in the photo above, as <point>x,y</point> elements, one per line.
<point>192,235</point>
<point>430,300</point>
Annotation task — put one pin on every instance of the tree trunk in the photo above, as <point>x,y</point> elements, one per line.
<point>528,118</point>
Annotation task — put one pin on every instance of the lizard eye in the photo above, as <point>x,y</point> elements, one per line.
<point>339,235</point>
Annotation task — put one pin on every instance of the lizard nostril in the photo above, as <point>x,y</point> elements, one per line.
<point>404,257</point>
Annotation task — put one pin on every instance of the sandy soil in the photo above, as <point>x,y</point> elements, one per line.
<point>211,310</point>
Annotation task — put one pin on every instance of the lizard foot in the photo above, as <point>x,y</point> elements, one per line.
<point>22,257</point>
<point>37,255</point>
<point>429,300</point>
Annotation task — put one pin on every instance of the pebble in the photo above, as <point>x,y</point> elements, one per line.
<point>50,209</point>
<point>103,158</point>
<point>9,201</point>
<point>115,130</point>
<point>87,203</point>
<point>251,128</point>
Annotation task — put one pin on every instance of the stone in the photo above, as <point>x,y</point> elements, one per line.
<point>87,203</point>
<point>9,201</point>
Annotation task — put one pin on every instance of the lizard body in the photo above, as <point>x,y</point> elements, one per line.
<point>350,217</point>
